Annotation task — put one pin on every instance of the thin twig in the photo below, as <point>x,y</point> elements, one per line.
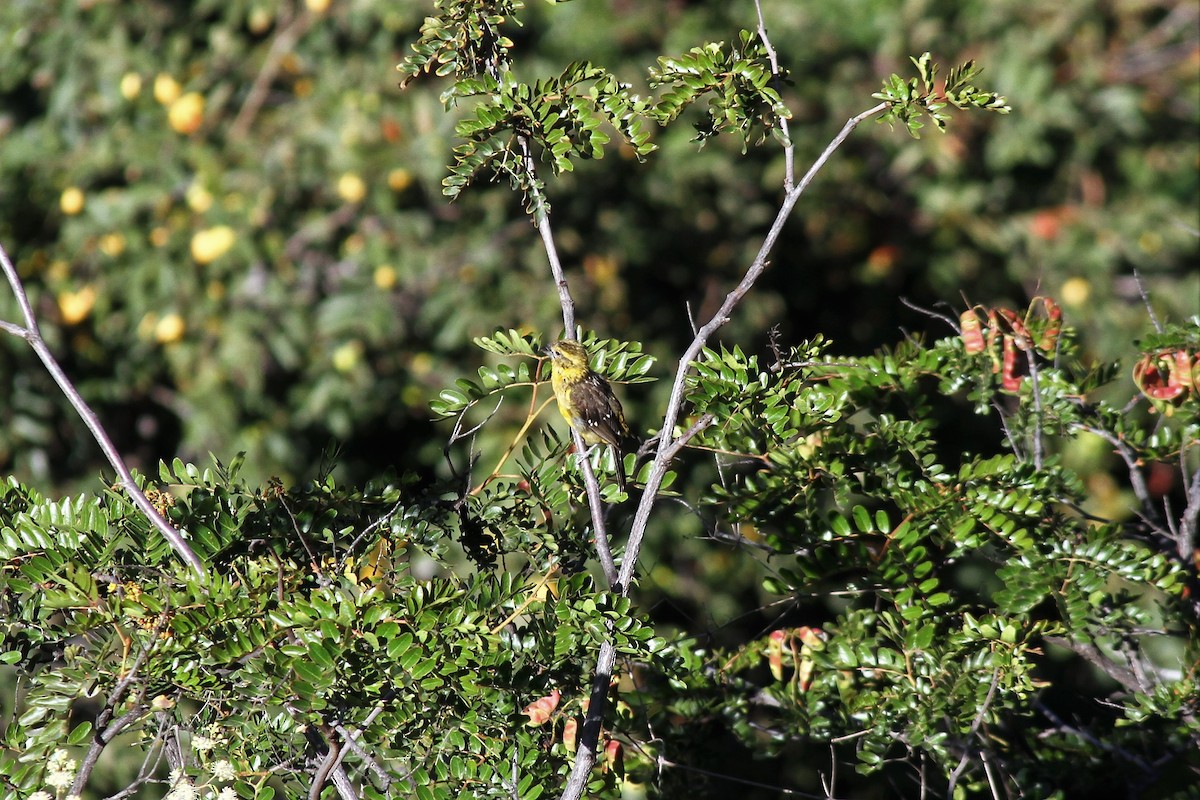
<point>596,506</point>
<point>350,739</point>
<point>530,598</point>
<point>1093,655</point>
<point>283,43</point>
<point>789,156</point>
<point>1035,387</point>
<point>1091,739</point>
<point>987,770</point>
<point>1137,279</point>
<point>149,766</point>
<point>31,334</point>
<point>781,790</point>
<point>1137,481</point>
<point>105,731</point>
<point>929,312</point>
<point>542,221</point>
<point>975,724</point>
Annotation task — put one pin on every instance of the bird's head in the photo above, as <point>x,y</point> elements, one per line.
<point>568,352</point>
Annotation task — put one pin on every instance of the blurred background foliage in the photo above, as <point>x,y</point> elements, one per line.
<point>231,220</point>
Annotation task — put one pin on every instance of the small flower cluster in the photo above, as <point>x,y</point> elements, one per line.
<point>184,787</point>
<point>60,774</point>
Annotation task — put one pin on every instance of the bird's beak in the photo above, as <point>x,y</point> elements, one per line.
<point>546,351</point>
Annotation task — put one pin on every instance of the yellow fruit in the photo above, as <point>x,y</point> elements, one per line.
<point>421,365</point>
<point>198,198</point>
<point>187,113</point>
<point>1075,291</point>
<point>72,201</point>
<point>385,276</point>
<point>145,328</point>
<point>58,271</point>
<point>112,244</point>
<point>259,20</point>
<point>211,243</point>
<point>317,6</point>
<point>76,306</point>
<point>399,179</point>
<point>169,329</point>
<point>131,85</point>
<point>346,357</point>
<point>351,188</point>
<point>166,89</point>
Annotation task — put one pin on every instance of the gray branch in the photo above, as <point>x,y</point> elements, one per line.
<point>31,334</point>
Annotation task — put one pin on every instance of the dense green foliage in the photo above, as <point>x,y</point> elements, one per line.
<point>930,595</point>
<point>962,565</point>
<point>350,289</point>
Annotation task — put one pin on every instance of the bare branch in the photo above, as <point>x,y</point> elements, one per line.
<point>589,734</point>
<point>1137,278</point>
<point>599,529</point>
<point>322,736</point>
<point>718,319</point>
<point>592,486</point>
<point>1137,481</point>
<point>106,731</point>
<point>668,447</point>
<point>150,762</point>
<point>283,43</point>
<point>1038,415</point>
<point>1094,656</point>
<point>1189,528</point>
<point>542,220</point>
<point>32,334</point>
<point>975,724</point>
<point>789,155</point>
<point>1063,727</point>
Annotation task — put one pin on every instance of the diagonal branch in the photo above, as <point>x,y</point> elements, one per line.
<point>675,404</point>
<point>31,334</point>
<point>669,445</point>
<point>282,44</point>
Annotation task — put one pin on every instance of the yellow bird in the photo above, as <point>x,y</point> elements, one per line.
<point>586,400</point>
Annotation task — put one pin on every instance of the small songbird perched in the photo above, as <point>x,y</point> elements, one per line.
<point>586,400</point>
